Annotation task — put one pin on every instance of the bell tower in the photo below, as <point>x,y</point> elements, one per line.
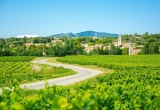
<point>130,48</point>
<point>119,40</point>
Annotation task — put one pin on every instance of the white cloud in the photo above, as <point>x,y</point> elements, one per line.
<point>28,36</point>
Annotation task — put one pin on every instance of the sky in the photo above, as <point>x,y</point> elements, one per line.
<point>48,17</point>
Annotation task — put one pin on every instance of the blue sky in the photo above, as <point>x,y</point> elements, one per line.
<point>48,17</point>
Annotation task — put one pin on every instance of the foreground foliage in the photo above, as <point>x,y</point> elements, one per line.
<point>135,86</point>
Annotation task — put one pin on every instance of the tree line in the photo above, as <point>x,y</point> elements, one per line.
<point>43,46</point>
<point>40,46</point>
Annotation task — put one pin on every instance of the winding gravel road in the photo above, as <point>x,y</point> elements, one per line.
<point>83,73</point>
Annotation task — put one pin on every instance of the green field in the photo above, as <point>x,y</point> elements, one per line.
<point>23,71</point>
<point>134,85</point>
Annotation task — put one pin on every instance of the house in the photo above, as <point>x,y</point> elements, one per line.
<point>28,44</point>
<point>55,41</point>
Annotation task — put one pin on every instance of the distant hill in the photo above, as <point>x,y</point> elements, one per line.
<point>86,33</point>
<point>64,34</point>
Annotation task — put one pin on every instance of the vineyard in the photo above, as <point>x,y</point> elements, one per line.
<point>21,70</point>
<point>16,58</point>
<point>135,85</point>
<point>114,61</point>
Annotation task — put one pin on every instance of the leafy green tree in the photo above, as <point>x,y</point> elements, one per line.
<point>145,35</point>
<point>150,48</point>
<point>145,49</point>
<point>0,51</point>
<point>125,51</point>
<point>36,40</point>
<point>153,48</point>
<point>117,51</point>
<point>97,51</point>
<point>114,50</point>
<point>77,47</point>
<point>6,52</point>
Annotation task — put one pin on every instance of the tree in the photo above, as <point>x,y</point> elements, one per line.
<point>145,49</point>
<point>117,51</point>
<point>77,48</point>
<point>0,51</point>
<point>150,48</point>
<point>113,50</point>
<point>125,51</point>
<point>153,48</point>
<point>36,40</point>
<point>97,51</point>
<point>145,35</point>
<point>6,52</point>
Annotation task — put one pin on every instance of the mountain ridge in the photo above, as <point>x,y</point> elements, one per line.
<point>85,34</point>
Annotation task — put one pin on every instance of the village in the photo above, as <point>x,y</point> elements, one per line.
<point>133,50</point>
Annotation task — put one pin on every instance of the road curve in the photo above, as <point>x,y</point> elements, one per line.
<point>82,74</point>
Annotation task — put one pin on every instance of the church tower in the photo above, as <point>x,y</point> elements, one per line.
<point>130,48</point>
<point>119,40</point>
